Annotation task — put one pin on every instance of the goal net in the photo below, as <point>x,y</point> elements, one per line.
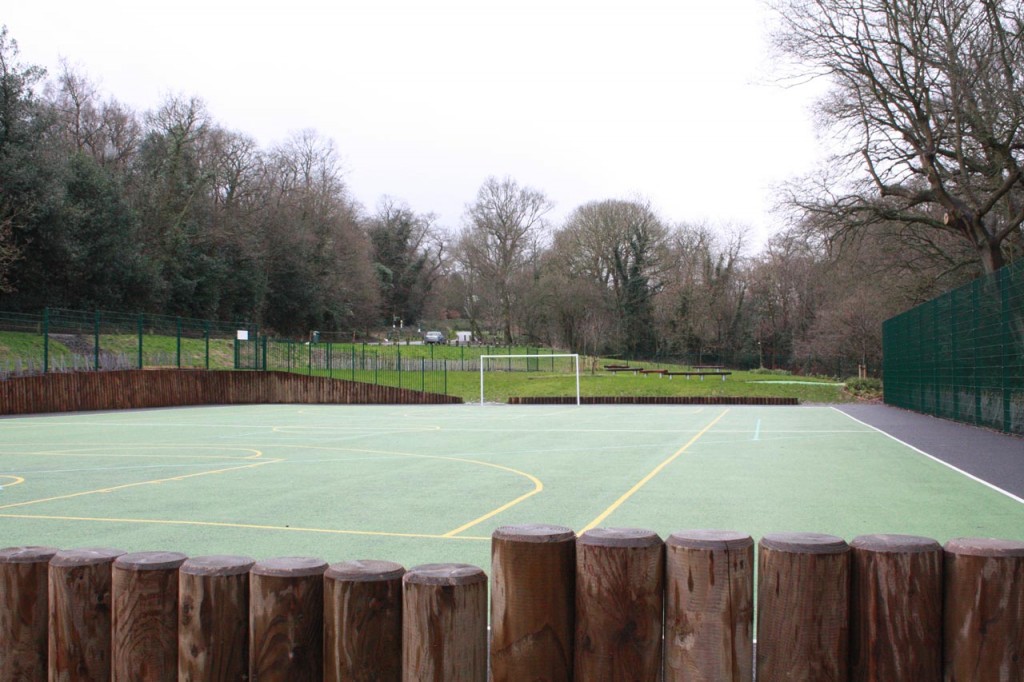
<point>555,363</point>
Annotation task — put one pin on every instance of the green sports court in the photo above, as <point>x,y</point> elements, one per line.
<point>421,484</point>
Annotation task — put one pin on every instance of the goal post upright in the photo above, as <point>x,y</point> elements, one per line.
<point>575,361</point>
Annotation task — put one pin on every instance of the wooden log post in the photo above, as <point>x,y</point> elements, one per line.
<point>620,576</point>
<point>444,623</point>
<point>709,606</point>
<point>895,608</point>
<point>144,620</point>
<point>80,607</point>
<point>363,621</point>
<point>803,605</point>
<point>984,610</point>
<point>533,588</point>
<point>286,607</point>
<point>213,619</point>
<point>24,612</point>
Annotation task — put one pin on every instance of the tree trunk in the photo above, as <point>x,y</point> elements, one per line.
<point>991,255</point>
<point>506,314</point>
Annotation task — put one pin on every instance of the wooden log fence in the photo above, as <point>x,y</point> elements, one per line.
<point>709,605</point>
<point>620,583</point>
<point>213,618</point>
<point>144,619</point>
<point>363,621</point>
<point>136,389</point>
<point>611,604</point>
<point>803,592</point>
<point>533,579</point>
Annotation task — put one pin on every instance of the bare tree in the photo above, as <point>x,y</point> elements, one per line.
<point>502,232</point>
<point>122,134</point>
<point>320,273</point>
<point>74,97</point>
<point>787,289</point>
<point>622,248</point>
<point>704,302</point>
<point>927,103</point>
<point>578,304</point>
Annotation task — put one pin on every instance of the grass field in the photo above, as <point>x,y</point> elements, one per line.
<point>498,386</point>
<point>428,484</point>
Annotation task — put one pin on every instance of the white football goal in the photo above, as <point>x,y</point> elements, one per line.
<point>524,362</point>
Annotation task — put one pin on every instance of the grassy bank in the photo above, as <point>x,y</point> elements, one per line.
<point>157,351</point>
<point>499,386</point>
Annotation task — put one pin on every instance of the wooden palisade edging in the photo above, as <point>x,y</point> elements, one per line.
<point>611,604</point>
<point>146,388</point>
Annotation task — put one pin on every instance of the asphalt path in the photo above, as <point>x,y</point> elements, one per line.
<point>991,456</point>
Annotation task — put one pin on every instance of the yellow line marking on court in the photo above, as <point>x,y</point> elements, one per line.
<point>356,429</point>
<point>87,452</point>
<point>254,526</point>
<point>537,487</point>
<point>16,480</point>
<point>139,483</point>
<point>646,479</point>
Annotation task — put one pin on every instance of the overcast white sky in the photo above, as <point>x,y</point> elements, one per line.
<point>670,100</point>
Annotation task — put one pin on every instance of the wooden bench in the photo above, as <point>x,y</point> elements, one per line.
<point>653,371</point>
<point>708,367</point>
<point>698,374</point>
<point>634,370</point>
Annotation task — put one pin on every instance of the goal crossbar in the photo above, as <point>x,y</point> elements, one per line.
<point>574,356</point>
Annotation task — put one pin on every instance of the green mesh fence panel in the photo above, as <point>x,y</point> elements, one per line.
<point>59,340</point>
<point>961,355</point>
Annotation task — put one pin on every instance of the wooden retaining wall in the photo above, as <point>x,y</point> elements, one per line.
<point>610,604</point>
<point>134,389</point>
<point>654,400</point>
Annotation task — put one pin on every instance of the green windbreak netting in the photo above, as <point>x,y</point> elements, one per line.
<point>961,355</point>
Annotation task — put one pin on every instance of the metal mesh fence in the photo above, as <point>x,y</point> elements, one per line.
<point>365,363</point>
<point>59,340</point>
<point>419,367</point>
<point>961,355</point>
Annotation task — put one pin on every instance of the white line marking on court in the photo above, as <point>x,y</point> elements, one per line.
<point>757,430</point>
<point>934,458</point>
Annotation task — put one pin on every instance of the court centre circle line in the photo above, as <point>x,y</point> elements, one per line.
<point>538,485</point>
<point>138,483</point>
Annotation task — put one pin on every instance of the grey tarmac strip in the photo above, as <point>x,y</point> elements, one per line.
<point>994,457</point>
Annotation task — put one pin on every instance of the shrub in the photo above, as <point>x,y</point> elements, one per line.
<point>772,372</point>
<point>868,389</point>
